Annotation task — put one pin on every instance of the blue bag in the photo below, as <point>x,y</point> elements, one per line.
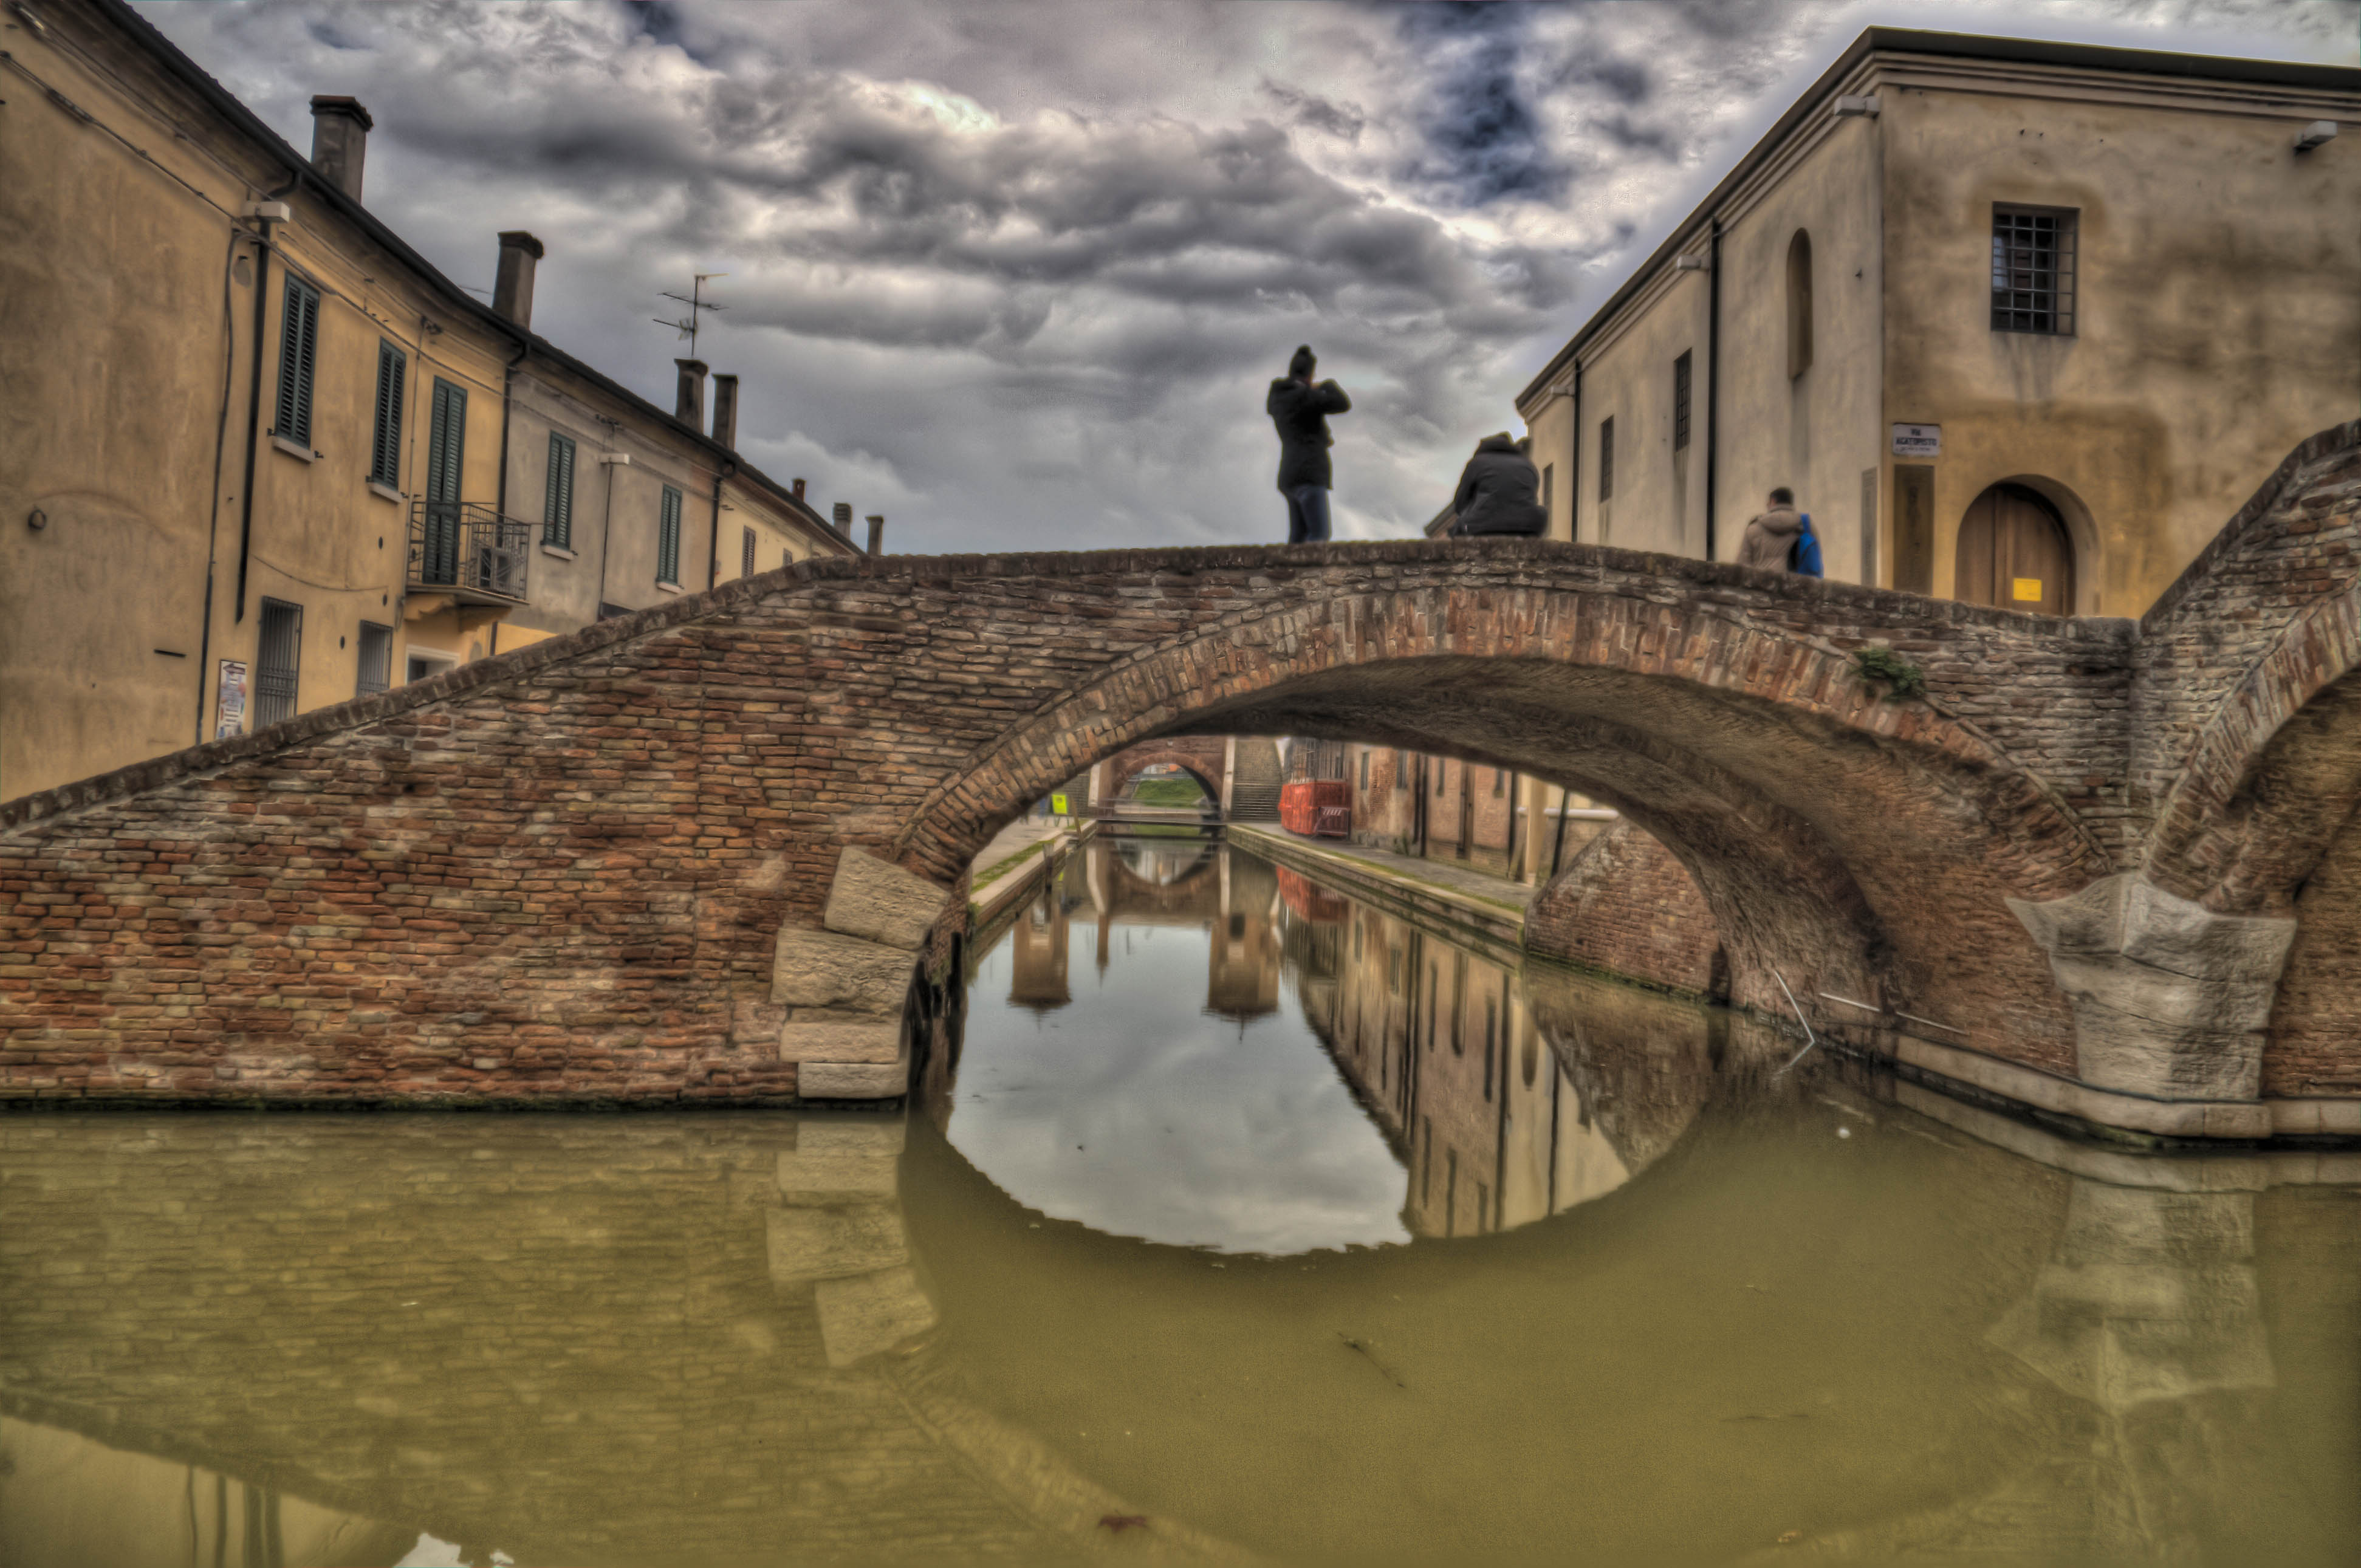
<point>1803,556</point>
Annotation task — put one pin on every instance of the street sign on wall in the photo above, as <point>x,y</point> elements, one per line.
<point>1917,441</point>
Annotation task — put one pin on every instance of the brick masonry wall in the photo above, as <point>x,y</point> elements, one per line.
<point>1626,904</point>
<point>560,874</point>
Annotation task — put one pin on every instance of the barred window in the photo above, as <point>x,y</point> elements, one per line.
<point>2033,269</point>
<point>278,662</point>
<point>376,659</point>
<point>1681,403</point>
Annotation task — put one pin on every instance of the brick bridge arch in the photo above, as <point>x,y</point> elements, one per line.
<point>692,852</point>
<point>1200,760</point>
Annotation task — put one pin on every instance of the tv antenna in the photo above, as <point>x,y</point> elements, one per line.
<point>697,304</point>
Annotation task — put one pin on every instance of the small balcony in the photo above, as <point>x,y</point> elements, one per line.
<point>469,550</point>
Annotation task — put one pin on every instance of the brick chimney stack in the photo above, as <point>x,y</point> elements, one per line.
<point>688,406</point>
<point>799,489</point>
<point>513,284</point>
<point>340,130</point>
<point>725,411</point>
<point>877,534</point>
<point>842,513</point>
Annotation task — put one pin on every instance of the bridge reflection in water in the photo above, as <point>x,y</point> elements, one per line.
<point>1822,1303</point>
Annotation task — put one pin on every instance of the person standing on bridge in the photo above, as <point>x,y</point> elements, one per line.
<point>1299,408</point>
<point>1770,538</point>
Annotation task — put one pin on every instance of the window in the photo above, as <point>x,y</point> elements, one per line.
<point>1681,403</point>
<point>299,347</point>
<point>377,659</point>
<point>668,538</point>
<point>384,442</point>
<point>1606,459</point>
<point>276,661</point>
<point>2033,269</point>
<point>786,558</point>
<point>1549,483</point>
<point>1799,304</point>
<point>746,553</point>
<point>1364,769</point>
<point>1401,769</point>
<point>1440,774</point>
<point>557,506</point>
<point>1499,783</point>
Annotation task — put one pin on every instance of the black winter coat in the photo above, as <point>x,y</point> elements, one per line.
<point>1301,412</point>
<point>1496,491</point>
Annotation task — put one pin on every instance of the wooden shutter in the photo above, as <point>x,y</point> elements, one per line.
<point>746,553</point>
<point>557,509</point>
<point>668,538</point>
<point>385,443</point>
<point>446,442</point>
<point>299,343</point>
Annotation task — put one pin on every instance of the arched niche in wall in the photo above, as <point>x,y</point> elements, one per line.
<point>1799,304</point>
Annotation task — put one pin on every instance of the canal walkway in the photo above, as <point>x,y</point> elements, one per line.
<point>1486,906</point>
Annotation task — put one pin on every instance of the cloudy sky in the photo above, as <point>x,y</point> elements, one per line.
<point>1018,275</point>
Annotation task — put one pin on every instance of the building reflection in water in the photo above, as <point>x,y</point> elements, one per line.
<point>1505,1096</point>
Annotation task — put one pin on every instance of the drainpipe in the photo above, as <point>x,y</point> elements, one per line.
<point>1712,382</point>
<point>254,397</point>
<point>713,537</point>
<point>213,499</point>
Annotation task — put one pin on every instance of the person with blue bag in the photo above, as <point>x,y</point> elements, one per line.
<point>1781,538</point>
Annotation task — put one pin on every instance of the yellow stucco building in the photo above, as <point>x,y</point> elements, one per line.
<point>2017,322</point>
<point>257,456</point>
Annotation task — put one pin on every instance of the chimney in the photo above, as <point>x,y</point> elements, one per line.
<point>799,489</point>
<point>843,514</point>
<point>725,411</point>
<point>512,285</point>
<point>689,406</point>
<point>876,533</point>
<point>340,130</point>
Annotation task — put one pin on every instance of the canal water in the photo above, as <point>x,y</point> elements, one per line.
<point>1236,1220</point>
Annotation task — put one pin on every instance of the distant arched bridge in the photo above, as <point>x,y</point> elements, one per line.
<point>691,853</point>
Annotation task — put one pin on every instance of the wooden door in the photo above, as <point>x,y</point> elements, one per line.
<point>2014,553</point>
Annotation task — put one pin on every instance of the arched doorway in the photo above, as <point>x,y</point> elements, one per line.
<point>2014,552</point>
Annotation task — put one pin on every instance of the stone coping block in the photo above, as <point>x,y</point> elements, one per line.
<point>852,1081</point>
<point>822,968</point>
<point>880,902</point>
<point>2127,915</point>
<point>836,1040</point>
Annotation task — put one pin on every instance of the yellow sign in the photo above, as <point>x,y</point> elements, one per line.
<point>2027,588</point>
<point>1058,802</point>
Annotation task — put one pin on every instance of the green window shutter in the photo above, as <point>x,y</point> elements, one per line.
<point>299,344</point>
<point>446,442</point>
<point>557,508</point>
<point>668,538</point>
<point>385,444</point>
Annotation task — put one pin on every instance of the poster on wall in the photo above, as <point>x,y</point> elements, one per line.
<point>231,704</point>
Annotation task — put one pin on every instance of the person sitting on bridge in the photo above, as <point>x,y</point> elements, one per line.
<point>1301,410</point>
<point>1496,491</point>
<point>1770,537</point>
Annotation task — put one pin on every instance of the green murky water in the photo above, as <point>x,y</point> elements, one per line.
<point>1236,1220</point>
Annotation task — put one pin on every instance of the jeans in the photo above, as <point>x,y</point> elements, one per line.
<point>1307,514</point>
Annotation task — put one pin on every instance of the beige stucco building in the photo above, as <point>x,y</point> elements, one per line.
<point>2018,322</point>
<point>257,456</point>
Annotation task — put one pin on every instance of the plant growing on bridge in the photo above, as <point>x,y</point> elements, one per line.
<point>1901,679</point>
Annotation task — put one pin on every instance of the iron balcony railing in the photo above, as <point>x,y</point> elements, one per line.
<point>466,548</point>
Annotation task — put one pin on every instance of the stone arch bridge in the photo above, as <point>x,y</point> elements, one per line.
<point>2101,868</point>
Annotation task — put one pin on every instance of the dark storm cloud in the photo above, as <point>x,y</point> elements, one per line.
<point>1017,275</point>
<point>1484,142</point>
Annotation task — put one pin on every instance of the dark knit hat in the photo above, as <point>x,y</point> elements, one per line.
<point>1304,361</point>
